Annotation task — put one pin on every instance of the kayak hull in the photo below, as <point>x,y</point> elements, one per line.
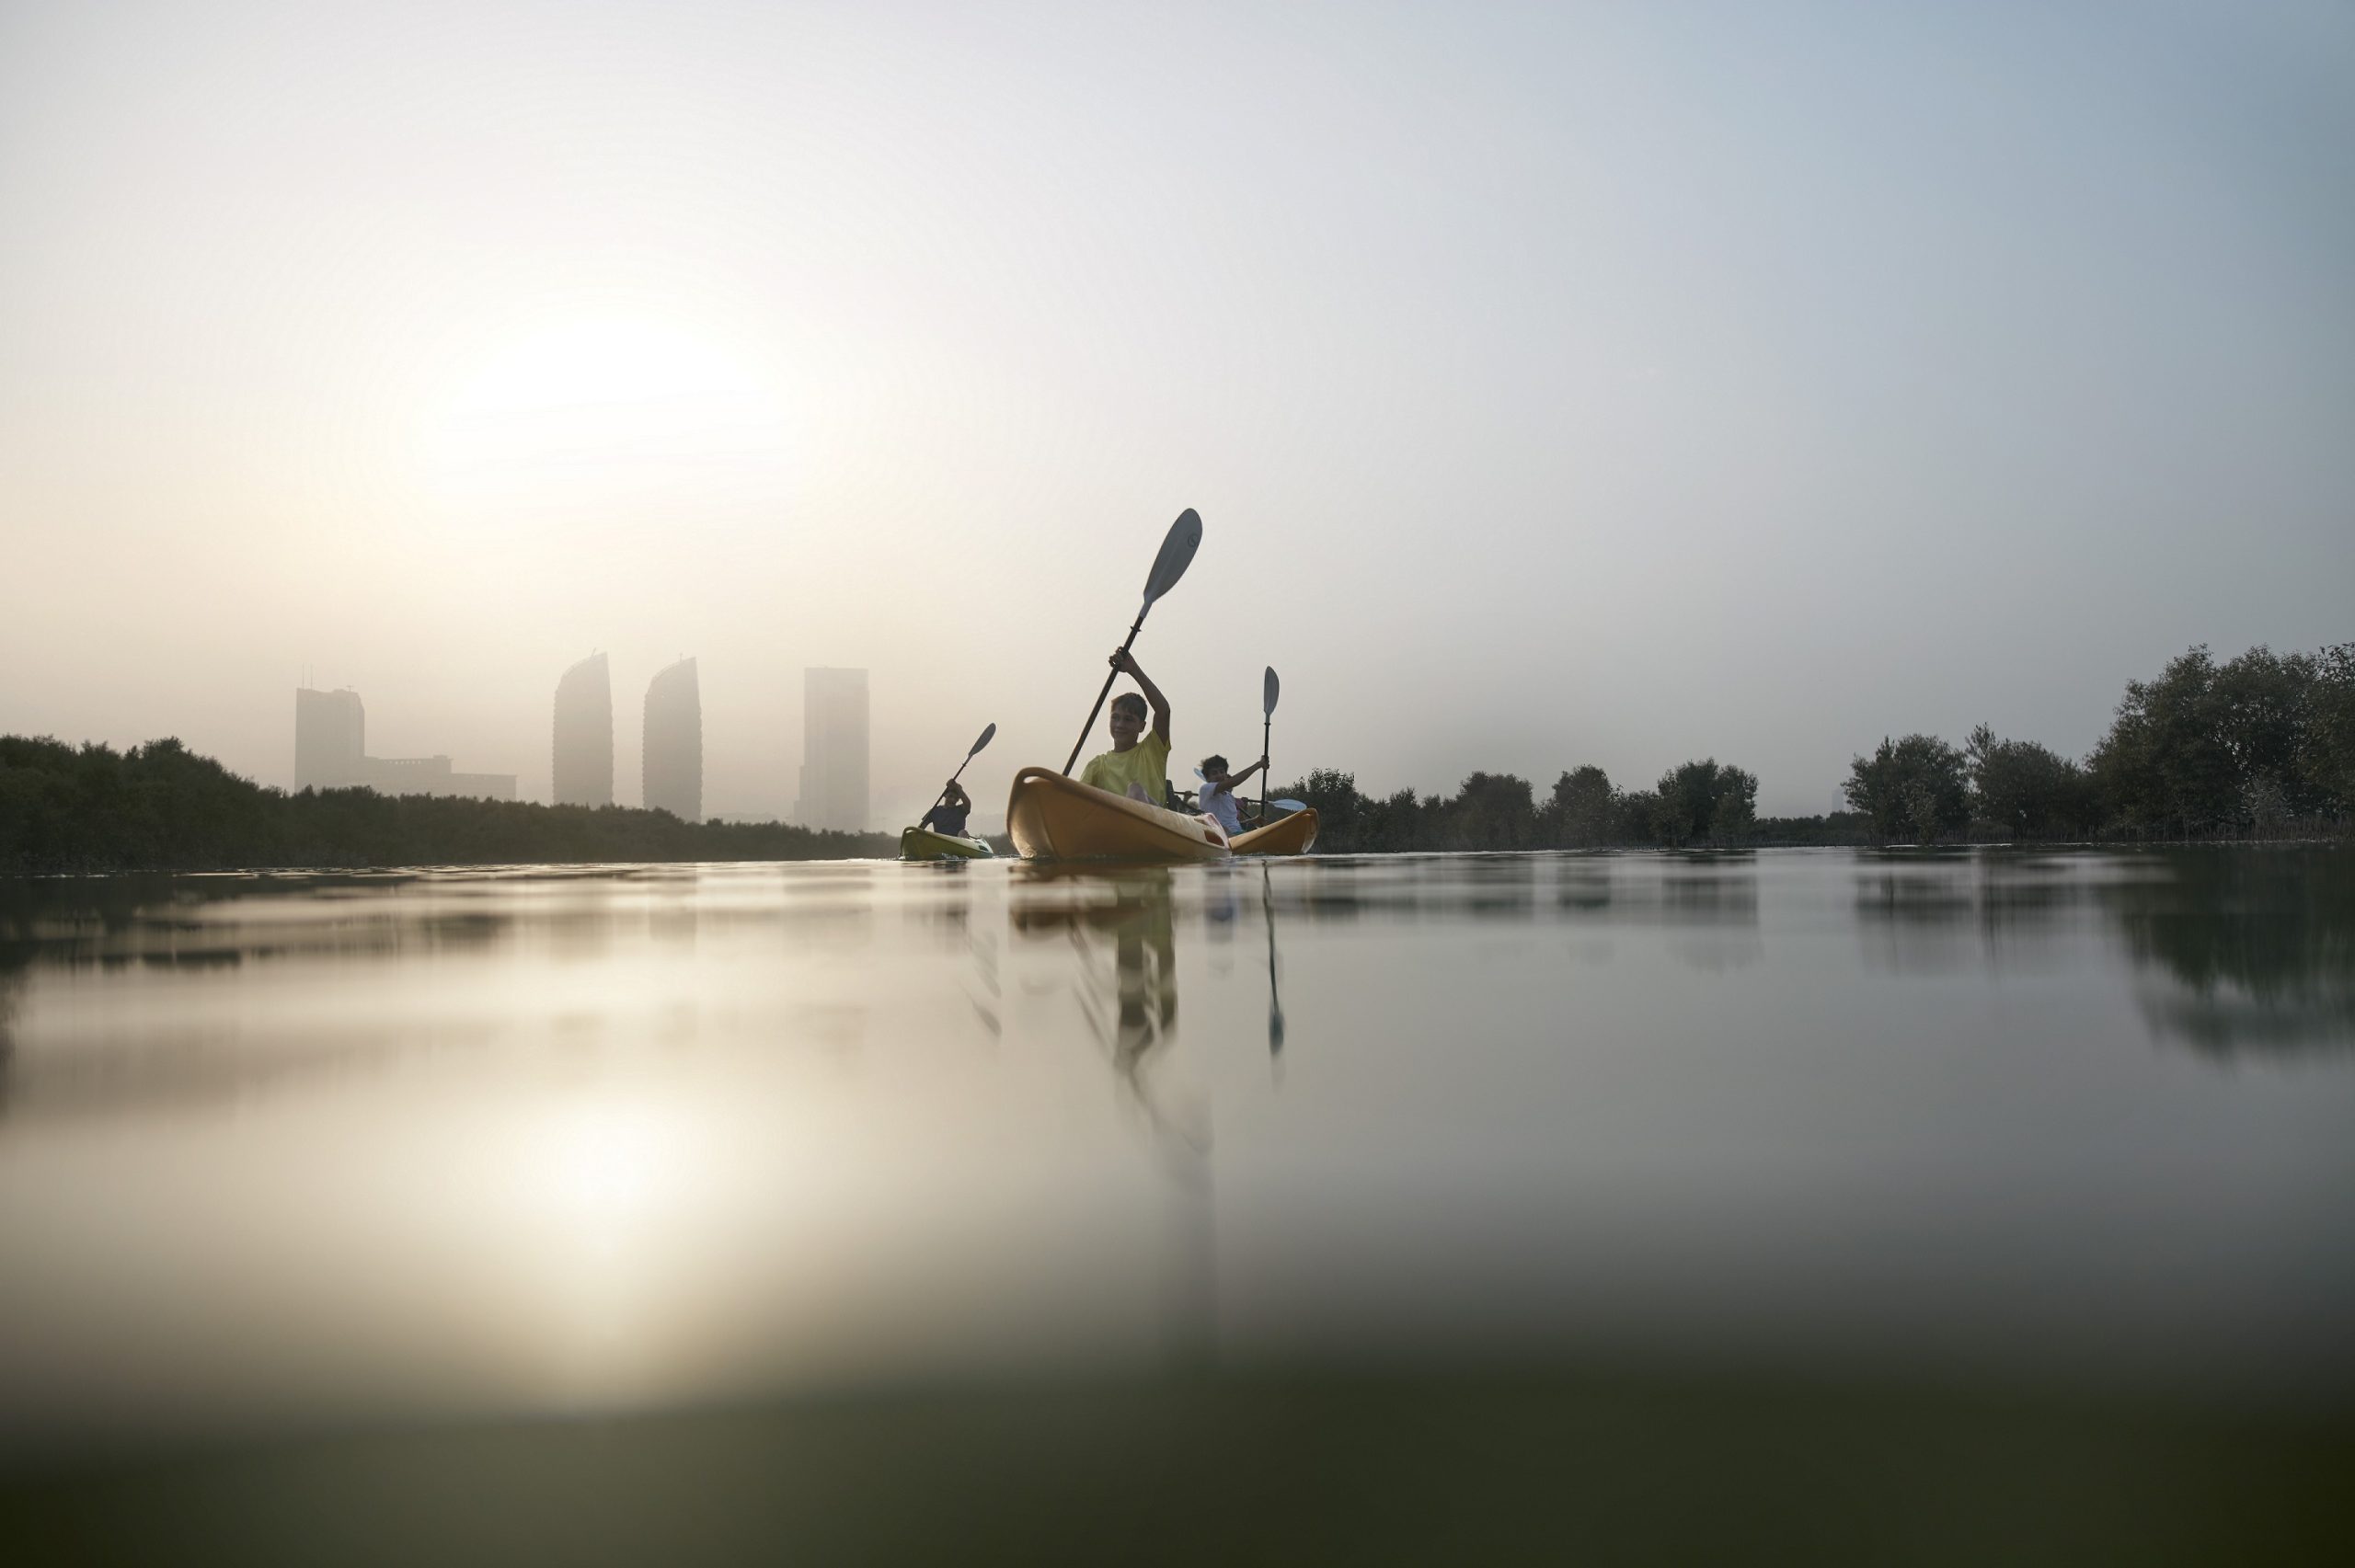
<point>1054,818</point>
<point>1289,834</point>
<point>923,843</point>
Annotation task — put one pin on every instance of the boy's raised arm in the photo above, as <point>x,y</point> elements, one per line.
<point>1126,662</point>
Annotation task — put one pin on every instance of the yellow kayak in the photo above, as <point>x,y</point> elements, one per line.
<point>1289,834</point>
<point>923,843</point>
<point>1054,818</point>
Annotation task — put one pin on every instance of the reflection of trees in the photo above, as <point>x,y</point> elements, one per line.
<point>1705,901</point>
<point>12,981</point>
<point>2235,947</point>
<point>1916,912</point>
<point>2252,948</point>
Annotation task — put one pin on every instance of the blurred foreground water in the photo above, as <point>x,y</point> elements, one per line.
<point>1398,1209</point>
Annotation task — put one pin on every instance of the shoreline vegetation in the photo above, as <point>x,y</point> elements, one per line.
<point>162,808</point>
<point>2261,746</point>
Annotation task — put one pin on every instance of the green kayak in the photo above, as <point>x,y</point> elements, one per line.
<point>923,843</point>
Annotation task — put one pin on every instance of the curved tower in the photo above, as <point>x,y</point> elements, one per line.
<point>584,735</point>
<point>673,751</point>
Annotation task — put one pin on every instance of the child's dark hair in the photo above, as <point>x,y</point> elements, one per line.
<point>1213,763</point>
<point>1133,700</point>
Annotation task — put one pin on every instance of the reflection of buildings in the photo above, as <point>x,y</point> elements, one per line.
<point>833,750</point>
<point>672,769</point>
<point>331,752</point>
<point>584,735</point>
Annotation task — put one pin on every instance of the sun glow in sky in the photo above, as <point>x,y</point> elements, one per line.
<point>597,414</point>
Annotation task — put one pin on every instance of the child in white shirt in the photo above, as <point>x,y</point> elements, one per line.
<point>1216,798</point>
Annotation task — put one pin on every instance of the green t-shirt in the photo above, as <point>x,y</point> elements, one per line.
<point>1146,763</point>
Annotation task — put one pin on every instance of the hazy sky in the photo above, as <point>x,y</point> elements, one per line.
<point>1556,385</point>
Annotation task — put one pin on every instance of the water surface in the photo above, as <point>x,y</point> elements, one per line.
<point>316,1153</point>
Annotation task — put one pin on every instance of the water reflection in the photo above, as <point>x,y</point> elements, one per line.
<point>2231,948</point>
<point>2245,949</point>
<point>176,992</point>
<point>1275,994</point>
<point>563,1140</point>
<point>1121,926</point>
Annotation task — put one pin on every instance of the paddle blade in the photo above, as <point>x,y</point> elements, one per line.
<point>1287,806</point>
<point>987,736</point>
<point>1176,553</point>
<point>1267,690</point>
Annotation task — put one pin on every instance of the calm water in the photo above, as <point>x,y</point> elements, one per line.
<point>331,1153</point>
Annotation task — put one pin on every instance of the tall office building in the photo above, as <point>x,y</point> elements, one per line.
<point>833,750</point>
<point>673,753</point>
<point>331,752</point>
<point>584,735</point>
<point>330,739</point>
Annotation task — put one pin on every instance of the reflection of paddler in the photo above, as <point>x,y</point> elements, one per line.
<point>1144,957</point>
<point>1138,919</point>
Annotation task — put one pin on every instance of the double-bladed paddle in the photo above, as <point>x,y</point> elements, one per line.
<point>1177,549</point>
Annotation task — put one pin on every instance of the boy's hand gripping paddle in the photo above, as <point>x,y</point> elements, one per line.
<point>1177,549</point>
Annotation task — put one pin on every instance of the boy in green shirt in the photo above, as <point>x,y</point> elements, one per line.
<point>1137,764</point>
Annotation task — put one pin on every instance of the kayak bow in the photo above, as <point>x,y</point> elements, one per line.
<point>923,843</point>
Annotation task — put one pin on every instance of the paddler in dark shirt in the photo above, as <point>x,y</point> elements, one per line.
<point>949,817</point>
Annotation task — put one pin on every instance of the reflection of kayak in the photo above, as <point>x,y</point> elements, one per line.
<point>1054,818</point>
<point>923,843</point>
<point>1289,834</point>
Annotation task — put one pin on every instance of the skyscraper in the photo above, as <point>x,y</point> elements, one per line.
<point>673,753</point>
<point>583,765</point>
<point>833,749</point>
<point>330,739</point>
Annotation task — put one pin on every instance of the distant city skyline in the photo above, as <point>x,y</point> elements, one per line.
<point>835,779</point>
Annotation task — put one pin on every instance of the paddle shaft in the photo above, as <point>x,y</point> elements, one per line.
<point>1073,760</point>
<point>1266,723</point>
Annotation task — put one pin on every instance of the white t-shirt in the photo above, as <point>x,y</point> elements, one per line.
<point>1220,804</point>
